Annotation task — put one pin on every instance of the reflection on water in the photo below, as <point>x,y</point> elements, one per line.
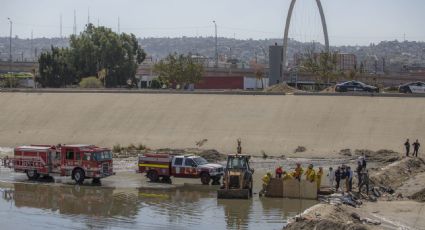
<point>186,207</point>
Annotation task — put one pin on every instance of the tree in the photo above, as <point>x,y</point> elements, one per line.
<point>258,71</point>
<point>55,69</point>
<point>179,69</point>
<point>322,65</point>
<point>95,49</point>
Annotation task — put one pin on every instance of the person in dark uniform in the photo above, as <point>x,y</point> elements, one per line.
<point>365,180</point>
<point>407,146</point>
<point>416,146</point>
<point>337,178</point>
<point>359,171</point>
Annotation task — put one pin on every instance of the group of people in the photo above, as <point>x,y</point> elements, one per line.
<point>343,176</point>
<point>415,145</point>
<point>298,173</point>
<point>310,174</point>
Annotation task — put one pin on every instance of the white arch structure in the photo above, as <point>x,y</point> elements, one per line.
<point>288,22</point>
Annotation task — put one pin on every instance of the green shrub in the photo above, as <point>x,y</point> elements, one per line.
<point>155,84</point>
<point>141,147</point>
<point>91,82</point>
<point>116,148</point>
<point>131,147</point>
<point>265,156</point>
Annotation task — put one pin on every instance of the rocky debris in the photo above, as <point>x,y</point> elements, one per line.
<point>394,175</point>
<point>380,156</point>
<point>331,217</point>
<point>200,143</point>
<point>300,149</point>
<point>419,196</point>
<point>346,152</point>
<point>281,88</point>
<point>330,89</point>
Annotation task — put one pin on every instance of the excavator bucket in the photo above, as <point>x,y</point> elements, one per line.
<point>233,194</point>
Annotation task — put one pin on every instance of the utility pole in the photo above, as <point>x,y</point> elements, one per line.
<point>88,16</point>
<point>10,46</point>
<point>32,45</point>
<point>75,23</point>
<point>119,25</point>
<point>60,22</point>
<point>216,45</point>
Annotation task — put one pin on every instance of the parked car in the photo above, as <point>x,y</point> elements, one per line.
<point>355,86</point>
<point>412,87</point>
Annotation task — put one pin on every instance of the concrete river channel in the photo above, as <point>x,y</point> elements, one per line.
<point>128,201</point>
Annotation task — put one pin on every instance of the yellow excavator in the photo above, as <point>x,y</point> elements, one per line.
<point>237,180</point>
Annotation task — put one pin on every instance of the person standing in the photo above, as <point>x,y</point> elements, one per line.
<point>298,172</point>
<point>266,180</point>
<point>279,172</point>
<point>365,181</point>
<point>359,171</point>
<point>331,177</point>
<point>349,179</point>
<point>407,146</point>
<point>310,174</point>
<point>337,178</point>
<point>319,178</point>
<point>416,146</point>
<point>343,179</point>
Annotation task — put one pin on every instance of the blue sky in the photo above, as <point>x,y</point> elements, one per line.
<point>349,21</point>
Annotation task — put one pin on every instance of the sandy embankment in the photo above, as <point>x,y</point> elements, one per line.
<point>273,124</point>
<point>404,209</point>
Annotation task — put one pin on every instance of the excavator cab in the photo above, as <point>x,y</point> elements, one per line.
<point>237,180</point>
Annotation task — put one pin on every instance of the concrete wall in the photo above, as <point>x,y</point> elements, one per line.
<point>274,124</point>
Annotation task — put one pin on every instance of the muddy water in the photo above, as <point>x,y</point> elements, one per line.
<point>185,206</point>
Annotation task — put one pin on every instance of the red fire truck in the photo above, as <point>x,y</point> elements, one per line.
<point>160,167</point>
<point>78,161</point>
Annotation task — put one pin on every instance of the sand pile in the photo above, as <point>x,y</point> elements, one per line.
<point>330,217</point>
<point>281,88</point>
<point>395,174</point>
<point>330,89</point>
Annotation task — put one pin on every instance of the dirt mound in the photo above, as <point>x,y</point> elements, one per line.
<point>281,88</point>
<point>330,89</point>
<point>380,156</point>
<point>345,152</point>
<point>329,217</point>
<point>419,196</point>
<point>395,174</point>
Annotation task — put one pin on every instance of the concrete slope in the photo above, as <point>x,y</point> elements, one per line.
<point>274,124</point>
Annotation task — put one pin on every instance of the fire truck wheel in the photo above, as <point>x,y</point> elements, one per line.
<point>79,176</point>
<point>32,175</point>
<point>205,178</point>
<point>153,176</point>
